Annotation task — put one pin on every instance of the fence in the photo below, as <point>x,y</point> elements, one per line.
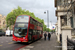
<point>70,44</point>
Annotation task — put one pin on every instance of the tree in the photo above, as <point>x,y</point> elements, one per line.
<point>11,17</point>
<point>53,30</point>
<point>48,30</point>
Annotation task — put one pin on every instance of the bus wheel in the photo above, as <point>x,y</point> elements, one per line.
<point>40,37</point>
<point>33,40</point>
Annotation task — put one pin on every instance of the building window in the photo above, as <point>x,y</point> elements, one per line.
<point>63,20</point>
<point>4,22</point>
<point>71,18</point>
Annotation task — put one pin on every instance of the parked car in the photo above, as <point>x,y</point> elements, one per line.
<point>9,32</point>
<point>2,33</point>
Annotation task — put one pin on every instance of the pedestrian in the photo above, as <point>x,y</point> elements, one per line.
<point>45,36</point>
<point>49,36</point>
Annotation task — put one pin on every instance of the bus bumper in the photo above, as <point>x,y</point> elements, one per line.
<point>19,40</point>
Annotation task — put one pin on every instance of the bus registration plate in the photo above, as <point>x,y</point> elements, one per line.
<point>18,41</point>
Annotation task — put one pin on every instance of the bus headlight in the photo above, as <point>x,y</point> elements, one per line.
<point>23,37</point>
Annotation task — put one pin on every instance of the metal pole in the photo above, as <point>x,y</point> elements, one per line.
<point>51,23</point>
<point>48,20</point>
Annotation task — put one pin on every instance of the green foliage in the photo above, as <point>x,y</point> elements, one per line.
<point>11,17</point>
<point>53,30</point>
<point>48,30</point>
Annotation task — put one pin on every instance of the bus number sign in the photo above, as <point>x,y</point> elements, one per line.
<point>20,25</point>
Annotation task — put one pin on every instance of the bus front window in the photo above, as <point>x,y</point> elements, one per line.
<point>22,19</point>
<point>20,32</point>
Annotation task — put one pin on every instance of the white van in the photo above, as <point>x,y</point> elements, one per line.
<point>9,32</point>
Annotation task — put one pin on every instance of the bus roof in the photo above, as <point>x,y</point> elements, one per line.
<point>36,20</point>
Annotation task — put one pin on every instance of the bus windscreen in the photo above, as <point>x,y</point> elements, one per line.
<point>20,32</point>
<point>22,19</point>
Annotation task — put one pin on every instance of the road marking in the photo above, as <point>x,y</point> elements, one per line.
<point>25,49</point>
<point>0,45</point>
<point>10,43</point>
<point>30,46</point>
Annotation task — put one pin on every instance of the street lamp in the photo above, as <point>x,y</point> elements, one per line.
<point>51,23</point>
<point>47,18</point>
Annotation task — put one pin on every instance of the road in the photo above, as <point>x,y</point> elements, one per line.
<point>6,43</point>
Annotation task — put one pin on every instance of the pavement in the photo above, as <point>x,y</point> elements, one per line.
<point>43,45</point>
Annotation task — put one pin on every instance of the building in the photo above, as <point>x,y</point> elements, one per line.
<point>2,22</point>
<point>65,13</point>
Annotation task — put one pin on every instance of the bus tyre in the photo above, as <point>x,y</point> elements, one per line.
<point>40,37</point>
<point>33,39</point>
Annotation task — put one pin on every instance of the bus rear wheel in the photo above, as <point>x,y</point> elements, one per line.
<point>33,40</point>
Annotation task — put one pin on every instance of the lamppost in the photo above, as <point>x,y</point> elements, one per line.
<point>47,18</point>
<point>51,23</point>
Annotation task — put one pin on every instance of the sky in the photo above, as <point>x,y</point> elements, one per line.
<point>38,7</point>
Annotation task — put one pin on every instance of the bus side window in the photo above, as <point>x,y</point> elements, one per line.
<point>40,32</point>
<point>37,23</point>
<point>40,25</point>
<point>31,31</point>
<point>34,22</point>
<point>31,21</point>
<point>36,32</point>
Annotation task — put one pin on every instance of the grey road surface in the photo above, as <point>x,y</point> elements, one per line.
<point>6,43</point>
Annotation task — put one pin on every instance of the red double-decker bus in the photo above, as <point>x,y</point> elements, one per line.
<point>27,29</point>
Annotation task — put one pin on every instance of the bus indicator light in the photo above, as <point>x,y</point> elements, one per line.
<point>23,37</point>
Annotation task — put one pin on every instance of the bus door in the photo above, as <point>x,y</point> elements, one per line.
<point>30,35</point>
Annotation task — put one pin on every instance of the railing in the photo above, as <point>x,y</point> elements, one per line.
<point>70,44</point>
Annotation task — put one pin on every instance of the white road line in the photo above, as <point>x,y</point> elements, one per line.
<point>1,45</point>
<point>24,49</point>
<point>10,43</point>
<point>30,46</point>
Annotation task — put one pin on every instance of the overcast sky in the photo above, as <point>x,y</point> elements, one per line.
<point>38,7</point>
